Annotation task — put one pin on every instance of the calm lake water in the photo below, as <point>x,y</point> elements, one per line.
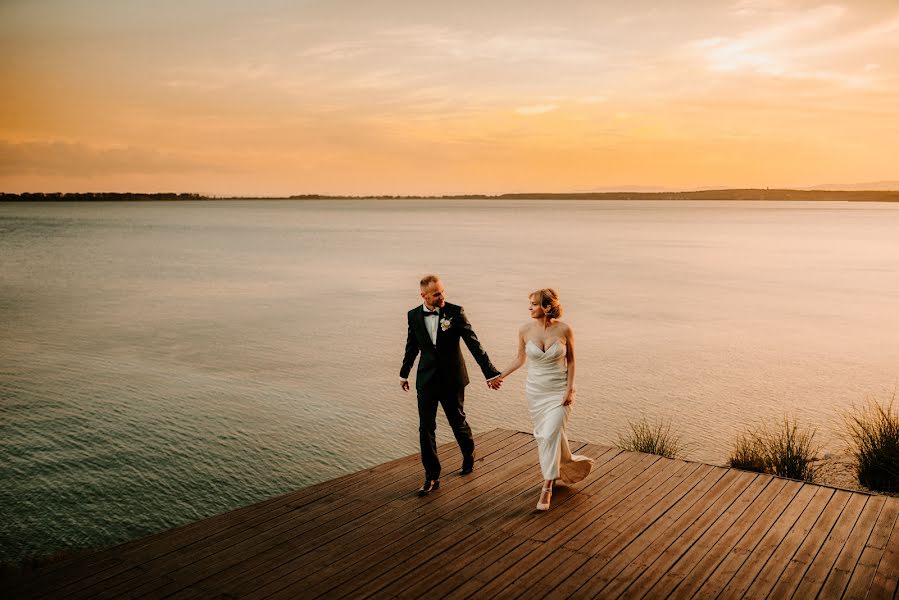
<point>164,362</point>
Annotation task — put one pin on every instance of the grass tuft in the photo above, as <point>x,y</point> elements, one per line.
<point>873,433</point>
<point>785,451</point>
<point>652,439</point>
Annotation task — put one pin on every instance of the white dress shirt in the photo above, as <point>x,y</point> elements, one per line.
<point>431,322</point>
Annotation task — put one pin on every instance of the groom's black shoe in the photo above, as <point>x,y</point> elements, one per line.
<point>467,465</point>
<point>429,486</point>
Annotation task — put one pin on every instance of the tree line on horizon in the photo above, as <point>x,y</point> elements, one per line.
<point>97,196</point>
<point>748,194</point>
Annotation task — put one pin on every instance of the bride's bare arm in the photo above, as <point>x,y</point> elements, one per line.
<point>569,357</point>
<point>520,359</point>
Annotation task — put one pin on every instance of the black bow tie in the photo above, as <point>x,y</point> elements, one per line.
<point>430,312</point>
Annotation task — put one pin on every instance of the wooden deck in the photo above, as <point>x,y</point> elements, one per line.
<point>639,526</point>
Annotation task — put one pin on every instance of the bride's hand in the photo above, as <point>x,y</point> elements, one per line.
<point>569,398</point>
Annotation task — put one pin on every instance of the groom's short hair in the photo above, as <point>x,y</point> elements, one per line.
<point>428,280</point>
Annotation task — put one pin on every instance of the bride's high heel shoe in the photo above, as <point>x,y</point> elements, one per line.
<point>549,495</point>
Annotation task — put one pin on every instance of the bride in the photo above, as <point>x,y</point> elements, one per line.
<point>547,344</point>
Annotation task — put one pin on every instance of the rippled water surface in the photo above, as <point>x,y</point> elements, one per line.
<point>163,362</point>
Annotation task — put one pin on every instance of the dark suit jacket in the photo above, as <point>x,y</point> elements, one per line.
<point>442,365</point>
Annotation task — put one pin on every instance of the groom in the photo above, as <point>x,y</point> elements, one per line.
<point>435,328</point>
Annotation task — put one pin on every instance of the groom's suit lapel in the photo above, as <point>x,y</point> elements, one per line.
<point>444,314</point>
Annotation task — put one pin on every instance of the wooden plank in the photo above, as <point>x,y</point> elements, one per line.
<point>863,575</point>
<point>791,576</point>
<point>637,526</point>
<point>458,491</point>
<point>373,543</point>
<point>696,565</point>
<point>548,578</point>
<point>297,568</point>
<point>652,564</point>
<point>619,502</point>
<point>819,568</point>
<point>642,509</point>
<point>406,487</point>
<point>386,568</point>
<point>520,498</point>
<point>648,548</point>
<point>139,571</point>
<point>394,516</point>
<point>608,462</point>
<point>839,575</point>
<point>747,540</point>
<point>634,542</point>
<point>780,558</point>
<point>503,483</point>
<point>620,472</point>
<point>176,570</point>
<point>616,481</point>
<point>415,563</point>
<point>474,580</point>
<point>220,576</point>
<point>512,572</point>
<point>519,495</point>
<point>109,562</point>
<point>541,580</point>
<point>266,554</point>
<point>758,555</point>
<point>436,573</point>
<point>541,561</point>
<point>499,499</point>
<point>886,578</point>
<point>81,572</point>
<point>639,489</point>
<point>623,469</point>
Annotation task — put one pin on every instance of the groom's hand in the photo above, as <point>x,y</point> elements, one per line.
<point>405,385</point>
<point>495,384</point>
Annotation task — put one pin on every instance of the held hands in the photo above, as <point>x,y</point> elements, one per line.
<point>495,383</point>
<point>569,398</point>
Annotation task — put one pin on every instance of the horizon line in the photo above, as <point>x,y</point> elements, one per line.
<point>732,193</point>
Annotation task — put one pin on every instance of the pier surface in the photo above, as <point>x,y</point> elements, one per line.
<point>638,526</point>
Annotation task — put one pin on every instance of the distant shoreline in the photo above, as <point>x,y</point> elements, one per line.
<point>740,195</point>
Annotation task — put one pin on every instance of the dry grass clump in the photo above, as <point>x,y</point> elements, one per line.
<point>749,454</point>
<point>786,451</point>
<point>652,439</point>
<point>873,433</point>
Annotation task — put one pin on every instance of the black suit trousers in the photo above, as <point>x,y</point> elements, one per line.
<point>453,401</point>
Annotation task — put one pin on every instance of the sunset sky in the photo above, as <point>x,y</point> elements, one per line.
<point>415,97</point>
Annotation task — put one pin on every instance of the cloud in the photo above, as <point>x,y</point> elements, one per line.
<point>537,109</point>
<point>336,51</point>
<point>592,100</point>
<point>527,46</point>
<point>215,77</point>
<point>751,8</point>
<point>814,44</point>
<point>77,159</point>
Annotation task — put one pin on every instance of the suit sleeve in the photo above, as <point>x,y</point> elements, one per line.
<point>474,346</point>
<point>411,352</point>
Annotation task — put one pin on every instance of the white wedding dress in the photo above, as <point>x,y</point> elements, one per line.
<point>545,388</point>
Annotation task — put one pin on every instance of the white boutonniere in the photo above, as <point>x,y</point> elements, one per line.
<point>445,323</point>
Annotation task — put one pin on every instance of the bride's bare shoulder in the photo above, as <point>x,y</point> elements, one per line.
<point>565,327</point>
<point>525,327</point>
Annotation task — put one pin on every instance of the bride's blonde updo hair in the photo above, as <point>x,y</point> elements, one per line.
<point>549,300</point>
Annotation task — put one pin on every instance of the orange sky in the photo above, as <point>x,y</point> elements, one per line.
<point>410,97</point>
